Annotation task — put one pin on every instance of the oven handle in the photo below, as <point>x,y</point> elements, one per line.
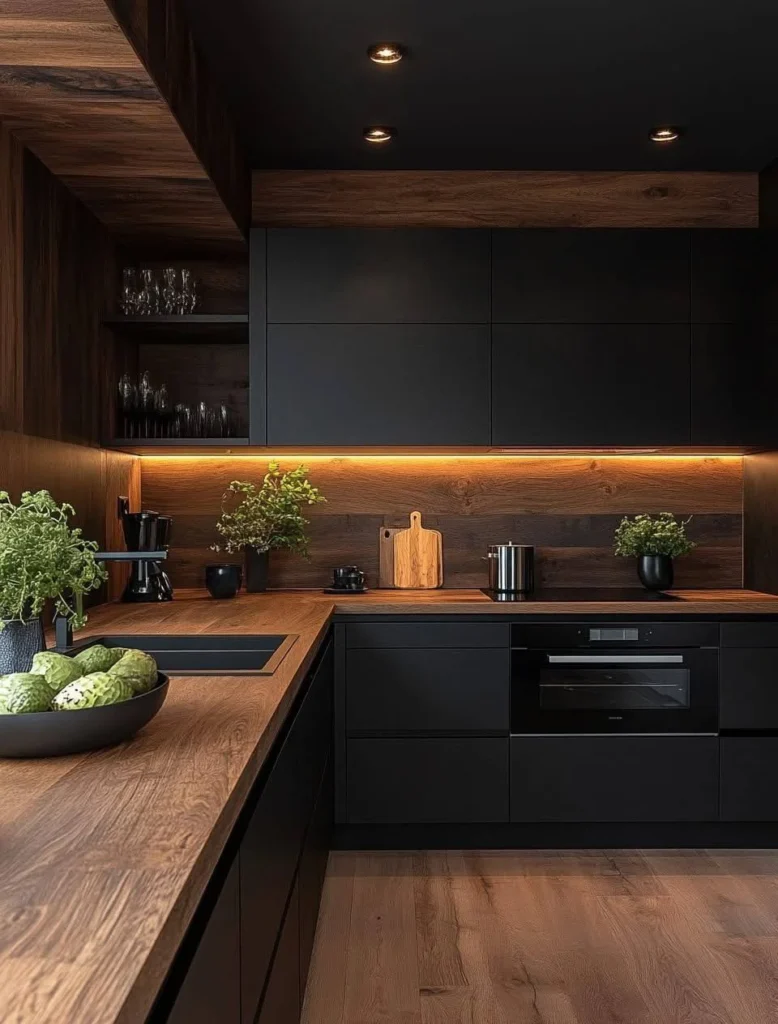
<point>615,659</point>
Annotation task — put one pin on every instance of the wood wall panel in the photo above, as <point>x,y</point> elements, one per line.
<point>524,199</point>
<point>11,281</point>
<point>567,507</point>
<point>760,522</point>
<point>142,138</point>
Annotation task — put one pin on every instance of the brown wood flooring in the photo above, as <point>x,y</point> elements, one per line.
<point>566,937</point>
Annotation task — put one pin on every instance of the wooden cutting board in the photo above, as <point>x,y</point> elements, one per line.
<point>386,535</point>
<point>418,557</point>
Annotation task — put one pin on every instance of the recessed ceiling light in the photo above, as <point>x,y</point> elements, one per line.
<point>379,133</point>
<point>386,53</point>
<point>665,133</point>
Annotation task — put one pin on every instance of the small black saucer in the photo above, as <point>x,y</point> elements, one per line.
<point>345,590</point>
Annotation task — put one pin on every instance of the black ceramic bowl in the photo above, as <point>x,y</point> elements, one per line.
<point>51,733</point>
<point>223,580</point>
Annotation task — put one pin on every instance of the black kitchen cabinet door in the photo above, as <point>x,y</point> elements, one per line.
<point>313,867</point>
<point>273,841</point>
<point>748,682</point>
<point>449,690</point>
<point>614,778</point>
<point>591,384</point>
<point>378,384</point>
<point>378,276</point>
<point>726,277</point>
<point>589,277</point>
<point>749,778</point>
<point>412,781</point>
<point>210,990</point>
<point>282,1001</point>
<point>734,371</point>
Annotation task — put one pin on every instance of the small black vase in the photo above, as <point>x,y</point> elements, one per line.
<point>19,643</point>
<point>223,580</point>
<point>257,563</point>
<point>656,571</point>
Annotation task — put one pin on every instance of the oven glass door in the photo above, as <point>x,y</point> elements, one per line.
<point>613,691</point>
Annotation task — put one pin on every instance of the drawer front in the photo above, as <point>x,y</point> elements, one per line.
<point>445,690</point>
<point>748,688</point>
<point>749,634</point>
<point>614,778</point>
<point>749,778</point>
<point>427,634</point>
<point>412,781</point>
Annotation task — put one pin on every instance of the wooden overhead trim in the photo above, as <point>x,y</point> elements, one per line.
<point>133,126</point>
<point>520,199</point>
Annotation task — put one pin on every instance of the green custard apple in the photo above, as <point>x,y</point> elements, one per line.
<point>57,669</point>
<point>92,691</point>
<point>98,658</point>
<point>26,693</point>
<point>138,669</point>
<point>3,695</point>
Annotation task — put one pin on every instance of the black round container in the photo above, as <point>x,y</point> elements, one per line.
<point>53,733</point>
<point>655,571</point>
<point>223,580</point>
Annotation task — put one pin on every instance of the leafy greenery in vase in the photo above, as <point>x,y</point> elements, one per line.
<point>653,535</point>
<point>268,516</point>
<point>43,558</point>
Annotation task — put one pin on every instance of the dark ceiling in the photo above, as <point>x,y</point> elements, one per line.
<point>544,84</point>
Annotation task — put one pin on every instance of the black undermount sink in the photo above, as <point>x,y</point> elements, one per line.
<point>205,654</point>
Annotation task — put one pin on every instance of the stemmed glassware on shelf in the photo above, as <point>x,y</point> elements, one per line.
<point>149,293</point>
<point>146,412</point>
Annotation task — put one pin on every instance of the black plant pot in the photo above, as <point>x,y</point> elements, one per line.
<point>257,563</point>
<point>19,643</point>
<point>223,580</point>
<point>656,571</point>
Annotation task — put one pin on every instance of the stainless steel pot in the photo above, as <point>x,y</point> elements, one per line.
<point>511,567</point>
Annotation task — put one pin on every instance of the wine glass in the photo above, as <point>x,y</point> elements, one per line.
<point>129,296</point>
<point>169,290</point>
<point>188,297</point>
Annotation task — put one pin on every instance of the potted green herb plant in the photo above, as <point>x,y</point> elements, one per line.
<point>256,520</point>
<point>655,541</point>
<point>41,558</point>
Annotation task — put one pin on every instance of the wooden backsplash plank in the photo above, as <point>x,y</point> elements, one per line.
<point>569,508</point>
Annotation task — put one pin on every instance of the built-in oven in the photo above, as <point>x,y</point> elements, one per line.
<point>614,678</point>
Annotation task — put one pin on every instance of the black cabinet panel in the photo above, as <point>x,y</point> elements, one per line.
<point>749,634</point>
<point>282,1001</point>
<point>725,276</point>
<point>211,988</point>
<point>378,276</point>
<point>313,867</point>
<point>379,384</point>
<point>609,276</point>
<point>749,778</point>
<point>427,634</point>
<point>614,778</point>
<point>426,691</point>
<point>749,688</point>
<point>407,781</point>
<point>734,367</point>
<point>581,385</point>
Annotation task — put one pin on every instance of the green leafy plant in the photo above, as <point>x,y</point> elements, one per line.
<point>42,557</point>
<point>268,516</point>
<point>653,535</point>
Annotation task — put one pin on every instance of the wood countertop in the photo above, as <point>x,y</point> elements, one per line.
<point>105,856</point>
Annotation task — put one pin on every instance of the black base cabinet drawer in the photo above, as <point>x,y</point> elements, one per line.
<point>749,778</point>
<point>313,867</point>
<point>282,1001</point>
<point>447,690</point>
<point>412,781</point>
<point>749,688</point>
<point>614,778</point>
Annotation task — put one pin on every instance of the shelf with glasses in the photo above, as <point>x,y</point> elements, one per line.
<point>186,327</point>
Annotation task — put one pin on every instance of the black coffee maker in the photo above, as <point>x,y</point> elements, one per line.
<point>146,533</point>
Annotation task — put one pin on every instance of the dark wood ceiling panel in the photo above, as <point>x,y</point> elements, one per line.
<point>466,199</point>
<point>151,152</point>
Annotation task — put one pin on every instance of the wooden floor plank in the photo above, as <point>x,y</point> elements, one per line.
<point>548,937</point>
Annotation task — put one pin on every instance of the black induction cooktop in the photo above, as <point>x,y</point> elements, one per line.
<point>583,594</point>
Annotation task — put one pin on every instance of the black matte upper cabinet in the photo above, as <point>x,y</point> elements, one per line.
<point>377,276</point>
<point>578,385</point>
<point>378,384</point>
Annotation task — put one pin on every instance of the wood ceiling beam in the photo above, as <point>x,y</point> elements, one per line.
<point>522,199</point>
<point>113,97</point>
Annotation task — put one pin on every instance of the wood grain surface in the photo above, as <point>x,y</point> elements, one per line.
<point>547,937</point>
<point>760,526</point>
<point>418,556</point>
<point>568,507</point>
<point>521,199</point>
<point>135,129</point>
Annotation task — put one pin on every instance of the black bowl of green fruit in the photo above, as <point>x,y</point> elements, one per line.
<point>65,705</point>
